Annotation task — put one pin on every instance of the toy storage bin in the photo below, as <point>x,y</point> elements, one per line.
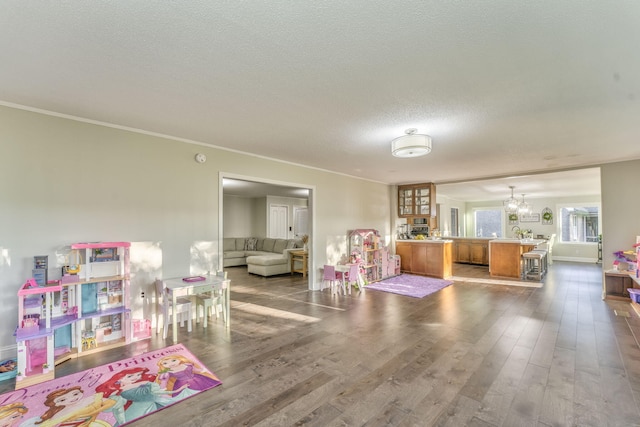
<point>634,294</point>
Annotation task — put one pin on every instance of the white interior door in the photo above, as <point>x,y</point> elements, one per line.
<point>279,222</point>
<point>300,221</point>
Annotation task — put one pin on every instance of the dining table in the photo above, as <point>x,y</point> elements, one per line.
<point>194,285</point>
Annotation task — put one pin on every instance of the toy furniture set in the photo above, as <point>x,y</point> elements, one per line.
<point>369,261</point>
<point>86,311</point>
<point>623,280</point>
<point>210,291</point>
<point>375,260</point>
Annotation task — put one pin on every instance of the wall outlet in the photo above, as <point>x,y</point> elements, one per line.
<point>142,294</point>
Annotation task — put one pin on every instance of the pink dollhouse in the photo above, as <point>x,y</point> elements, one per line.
<point>86,311</point>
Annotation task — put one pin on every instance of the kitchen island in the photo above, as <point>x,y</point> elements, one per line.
<point>505,256</point>
<point>426,257</point>
<point>471,250</point>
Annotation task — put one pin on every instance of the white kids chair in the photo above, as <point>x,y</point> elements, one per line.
<point>214,299</point>
<point>164,306</point>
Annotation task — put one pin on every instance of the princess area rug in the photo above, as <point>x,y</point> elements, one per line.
<point>410,285</point>
<point>110,395</point>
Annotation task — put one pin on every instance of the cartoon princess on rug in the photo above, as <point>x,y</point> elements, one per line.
<point>136,394</point>
<point>176,371</point>
<point>10,414</point>
<point>69,407</point>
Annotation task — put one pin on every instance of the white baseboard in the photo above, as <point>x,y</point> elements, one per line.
<point>575,259</point>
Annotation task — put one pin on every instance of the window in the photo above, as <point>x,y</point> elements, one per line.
<point>579,224</point>
<point>454,222</point>
<point>488,222</point>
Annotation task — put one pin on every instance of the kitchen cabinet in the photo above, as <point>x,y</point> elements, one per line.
<point>426,257</point>
<point>404,251</point>
<point>417,200</point>
<point>471,251</point>
<point>505,256</point>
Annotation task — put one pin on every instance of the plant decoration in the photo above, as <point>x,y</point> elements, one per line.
<point>547,216</point>
<point>305,239</point>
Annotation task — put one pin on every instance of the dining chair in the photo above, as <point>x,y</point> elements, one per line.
<point>164,307</point>
<point>332,276</point>
<point>214,299</point>
<point>550,249</point>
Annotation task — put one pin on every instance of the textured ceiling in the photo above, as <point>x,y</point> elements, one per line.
<point>504,88</point>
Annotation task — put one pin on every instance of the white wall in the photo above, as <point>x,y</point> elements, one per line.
<point>249,216</point>
<point>240,217</point>
<point>65,181</point>
<point>444,221</point>
<point>620,208</point>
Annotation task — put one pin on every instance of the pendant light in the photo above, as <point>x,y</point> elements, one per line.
<point>511,204</point>
<point>524,208</point>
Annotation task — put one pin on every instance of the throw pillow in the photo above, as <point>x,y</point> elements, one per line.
<point>250,244</point>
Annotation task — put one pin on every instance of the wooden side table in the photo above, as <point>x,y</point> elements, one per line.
<point>301,257</point>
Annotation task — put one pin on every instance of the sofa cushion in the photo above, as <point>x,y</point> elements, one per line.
<point>234,254</point>
<point>279,246</point>
<point>260,244</point>
<point>240,242</point>
<point>267,246</point>
<point>256,253</point>
<point>267,260</point>
<point>291,244</point>
<point>229,244</point>
<point>250,244</point>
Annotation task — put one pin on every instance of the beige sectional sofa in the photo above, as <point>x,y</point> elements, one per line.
<point>262,255</point>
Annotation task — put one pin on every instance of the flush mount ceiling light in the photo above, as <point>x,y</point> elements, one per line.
<point>411,144</point>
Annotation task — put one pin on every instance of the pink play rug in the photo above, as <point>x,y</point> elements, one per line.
<point>410,285</point>
<point>110,395</point>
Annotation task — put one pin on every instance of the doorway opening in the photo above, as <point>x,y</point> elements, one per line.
<point>259,207</point>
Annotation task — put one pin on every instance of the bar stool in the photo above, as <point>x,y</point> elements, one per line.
<point>532,265</point>
<point>545,259</point>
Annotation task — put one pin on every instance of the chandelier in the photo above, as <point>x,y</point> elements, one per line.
<point>524,208</point>
<point>511,204</point>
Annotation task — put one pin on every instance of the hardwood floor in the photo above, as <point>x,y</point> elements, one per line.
<point>469,355</point>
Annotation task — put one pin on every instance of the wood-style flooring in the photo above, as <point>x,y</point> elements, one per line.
<point>469,355</point>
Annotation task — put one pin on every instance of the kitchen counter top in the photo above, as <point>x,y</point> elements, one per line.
<point>470,238</point>
<point>425,241</point>
<point>534,242</point>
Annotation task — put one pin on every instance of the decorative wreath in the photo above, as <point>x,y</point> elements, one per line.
<point>547,216</point>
